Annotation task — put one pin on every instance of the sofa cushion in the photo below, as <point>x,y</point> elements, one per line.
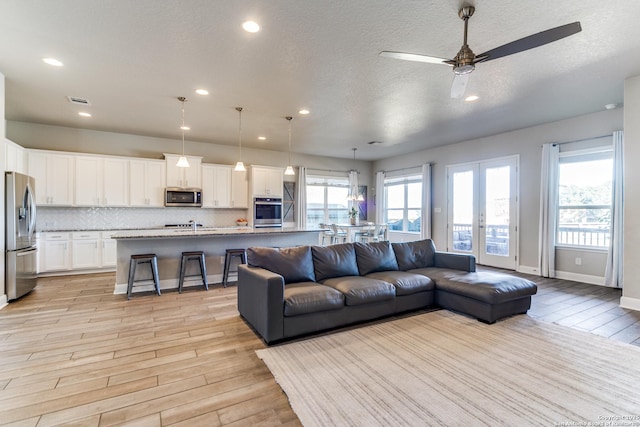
<point>405,283</point>
<point>361,290</point>
<point>485,286</point>
<point>294,264</point>
<point>309,297</point>
<point>376,256</point>
<point>418,254</point>
<point>334,261</point>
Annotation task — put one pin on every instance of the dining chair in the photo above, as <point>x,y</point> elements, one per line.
<point>339,234</point>
<point>326,234</point>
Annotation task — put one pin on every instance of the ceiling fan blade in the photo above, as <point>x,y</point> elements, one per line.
<point>414,57</point>
<point>530,42</point>
<point>459,85</point>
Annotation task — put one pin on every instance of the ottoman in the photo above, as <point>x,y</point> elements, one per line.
<point>488,296</point>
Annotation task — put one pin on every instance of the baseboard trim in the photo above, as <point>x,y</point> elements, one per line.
<point>577,277</point>
<point>3,301</point>
<point>528,270</point>
<point>147,285</point>
<point>630,303</point>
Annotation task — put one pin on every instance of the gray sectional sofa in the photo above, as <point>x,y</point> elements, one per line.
<point>288,292</point>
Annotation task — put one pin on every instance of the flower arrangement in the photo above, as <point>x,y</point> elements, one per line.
<point>353,213</point>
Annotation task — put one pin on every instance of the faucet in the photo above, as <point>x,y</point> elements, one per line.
<point>193,223</point>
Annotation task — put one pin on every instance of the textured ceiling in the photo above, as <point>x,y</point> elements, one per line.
<point>133,58</point>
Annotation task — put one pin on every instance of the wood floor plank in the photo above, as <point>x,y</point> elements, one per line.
<point>72,353</point>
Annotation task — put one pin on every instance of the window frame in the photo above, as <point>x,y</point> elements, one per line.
<point>328,181</point>
<point>594,153</point>
<point>396,181</point>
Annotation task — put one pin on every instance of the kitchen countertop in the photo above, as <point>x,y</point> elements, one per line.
<point>207,232</point>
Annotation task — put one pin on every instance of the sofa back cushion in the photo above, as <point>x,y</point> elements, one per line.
<point>334,261</point>
<point>294,264</point>
<point>376,256</point>
<point>418,254</point>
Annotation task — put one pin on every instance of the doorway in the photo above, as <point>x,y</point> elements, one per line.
<point>482,211</point>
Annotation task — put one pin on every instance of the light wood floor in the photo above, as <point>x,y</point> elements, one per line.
<point>72,353</point>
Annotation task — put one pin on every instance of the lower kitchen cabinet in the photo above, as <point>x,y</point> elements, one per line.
<point>85,252</point>
<point>72,252</point>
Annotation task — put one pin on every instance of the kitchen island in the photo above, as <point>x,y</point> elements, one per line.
<point>168,245</point>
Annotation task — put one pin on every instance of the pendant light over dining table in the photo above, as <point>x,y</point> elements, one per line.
<point>354,193</point>
<point>182,160</point>
<point>239,165</point>
<point>289,170</point>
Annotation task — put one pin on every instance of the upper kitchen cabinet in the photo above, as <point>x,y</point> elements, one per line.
<point>146,183</point>
<point>101,181</point>
<point>239,190</point>
<point>15,157</point>
<point>190,177</point>
<point>216,186</point>
<point>54,177</point>
<point>266,181</point>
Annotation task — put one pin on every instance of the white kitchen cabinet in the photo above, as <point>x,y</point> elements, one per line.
<point>190,177</point>
<point>101,181</point>
<point>15,157</point>
<point>239,190</point>
<point>216,186</point>
<point>146,183</point>
<point>266,181</point>
<point>54,252</point>
<point>54,177</point>
<point>85,249</point>
<point>109,249</point>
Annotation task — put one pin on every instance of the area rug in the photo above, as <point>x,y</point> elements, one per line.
<point>441,368</point>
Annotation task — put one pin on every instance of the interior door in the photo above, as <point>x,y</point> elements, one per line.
<point>483,211</point>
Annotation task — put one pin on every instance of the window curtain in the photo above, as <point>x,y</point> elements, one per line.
<point>353,189</point>
<point>613,271</point>
<point>548,209</point>
<point>301,198</point>
<point>425,226</point>
<point>380,197</point>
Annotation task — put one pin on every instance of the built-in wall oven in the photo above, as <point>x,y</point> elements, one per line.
<point>267,212</point>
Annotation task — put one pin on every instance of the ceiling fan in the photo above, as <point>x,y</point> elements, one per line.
<point>465,61</point>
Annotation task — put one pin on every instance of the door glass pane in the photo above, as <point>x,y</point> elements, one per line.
<point>462,210</point>
<point>497,189</point>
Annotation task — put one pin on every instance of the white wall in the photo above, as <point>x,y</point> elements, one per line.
<point>631,275</point>
<point>526,143</point>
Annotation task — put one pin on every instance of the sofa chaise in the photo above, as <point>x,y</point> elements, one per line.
<point>288,292</point>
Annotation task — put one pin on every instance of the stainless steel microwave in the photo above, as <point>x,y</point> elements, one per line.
<point>183,197</point>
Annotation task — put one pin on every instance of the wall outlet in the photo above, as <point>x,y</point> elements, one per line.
<point>578,261</point>
<point>437,210</point>
<point>221,260</point>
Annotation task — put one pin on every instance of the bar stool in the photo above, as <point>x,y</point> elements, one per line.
<point>229,254</point>
<point>193,256</point>
<point>152,259</point>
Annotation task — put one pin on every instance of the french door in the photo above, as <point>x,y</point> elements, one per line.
<point>482,211</point>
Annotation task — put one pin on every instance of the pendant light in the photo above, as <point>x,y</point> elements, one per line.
<point>239,166</point>
<point>354,194</point>
<point>182,161</point>
<point>289,170</point>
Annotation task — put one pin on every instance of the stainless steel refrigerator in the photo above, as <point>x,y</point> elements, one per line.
<point>20,245</point>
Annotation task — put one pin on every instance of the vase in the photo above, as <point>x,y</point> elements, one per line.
<point>353,221</point>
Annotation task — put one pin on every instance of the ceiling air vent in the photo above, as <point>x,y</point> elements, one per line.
<point>78,100</point>
<point>374,142</point>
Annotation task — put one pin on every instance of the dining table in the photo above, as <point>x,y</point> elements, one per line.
<point>353,229</point>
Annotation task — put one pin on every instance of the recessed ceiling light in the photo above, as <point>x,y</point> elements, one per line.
<point>202,92</point>
<point>610,106</point>
<point>472,98</point>
<point>304,111</point>
<point>83,114</point>
<point>262,138</point>
<point>52,61</point>
<point>185,128</point>
<point>251,26</point>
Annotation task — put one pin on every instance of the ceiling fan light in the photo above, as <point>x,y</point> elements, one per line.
<point>182,162</point>
<point>464,69</point>
<point>289,170</point>
<point>240,167</point>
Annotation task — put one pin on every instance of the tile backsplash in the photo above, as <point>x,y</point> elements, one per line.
<point>111,218</point>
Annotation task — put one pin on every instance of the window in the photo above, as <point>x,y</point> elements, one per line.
<point>403,197</point>
<point>327,200</point>
<point>584,198</point>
